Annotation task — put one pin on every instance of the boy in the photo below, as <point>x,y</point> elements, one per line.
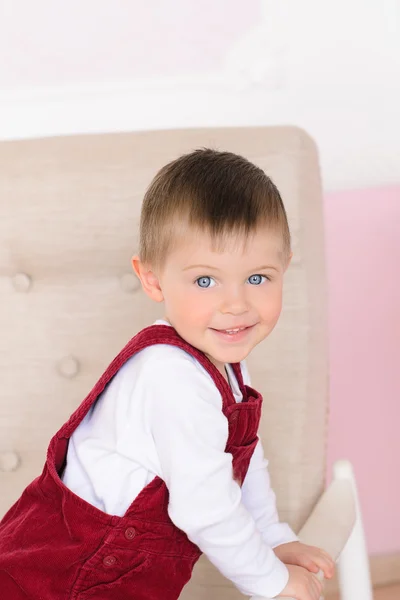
<point>161,461</point>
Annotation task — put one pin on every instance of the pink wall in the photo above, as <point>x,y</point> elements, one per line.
<point>363,257</point>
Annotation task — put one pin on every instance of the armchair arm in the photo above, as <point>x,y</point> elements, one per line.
<point>331,522</point>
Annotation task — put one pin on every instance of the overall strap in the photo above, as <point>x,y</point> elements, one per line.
<point>154,334</point>
<point>238,373</point>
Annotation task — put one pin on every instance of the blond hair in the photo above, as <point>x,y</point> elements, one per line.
<point>220,193</point>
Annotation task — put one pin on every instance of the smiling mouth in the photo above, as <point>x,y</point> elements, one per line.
<point>234,331</point>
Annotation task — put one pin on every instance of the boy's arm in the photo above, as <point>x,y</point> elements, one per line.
<point>260,500</point>
<point>258,496</point>
<point>190,434</point>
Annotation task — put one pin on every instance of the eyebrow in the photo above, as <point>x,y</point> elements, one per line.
<point>209,267</point>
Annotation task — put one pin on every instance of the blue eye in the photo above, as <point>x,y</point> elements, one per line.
<point>256,279</point>
<point>204,282</point>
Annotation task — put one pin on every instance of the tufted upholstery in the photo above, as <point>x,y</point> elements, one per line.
<point>69,213</point>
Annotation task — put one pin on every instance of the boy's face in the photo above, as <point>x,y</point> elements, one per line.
<point>207,293</point>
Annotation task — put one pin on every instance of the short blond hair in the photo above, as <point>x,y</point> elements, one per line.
<point>219,193</point>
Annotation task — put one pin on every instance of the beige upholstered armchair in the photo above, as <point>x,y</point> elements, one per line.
<point>69,213</point>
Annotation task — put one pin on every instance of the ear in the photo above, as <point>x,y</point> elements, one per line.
<point>148,279</point>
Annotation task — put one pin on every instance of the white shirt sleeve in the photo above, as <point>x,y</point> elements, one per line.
<point>260,500</point>
<point>190,434</point>
<point>259,497</point>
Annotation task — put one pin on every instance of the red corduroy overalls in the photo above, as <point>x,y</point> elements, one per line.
<point>56,546</point>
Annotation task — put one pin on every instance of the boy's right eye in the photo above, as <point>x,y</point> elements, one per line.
<point>204,282</point>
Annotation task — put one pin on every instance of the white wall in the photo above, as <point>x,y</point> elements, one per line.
<point>109,65</point>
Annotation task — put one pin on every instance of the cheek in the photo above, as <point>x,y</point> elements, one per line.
<point>199,306</point>
<point>189,305</point>
<point>271,306</point>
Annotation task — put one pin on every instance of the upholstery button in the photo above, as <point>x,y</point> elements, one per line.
<point>109,561</point>
<point>129,283</point>
<point>9,461</point>
<point>22,282</point>
<point>130,533</point>
<point>68,366</point>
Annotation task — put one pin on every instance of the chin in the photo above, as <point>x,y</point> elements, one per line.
<point>233,357</point>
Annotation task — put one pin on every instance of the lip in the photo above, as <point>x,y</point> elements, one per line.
<point>235,337</point>
<point>232,328</point>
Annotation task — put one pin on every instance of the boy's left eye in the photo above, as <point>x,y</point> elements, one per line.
<point>205,282</point>
<point>256,279</point>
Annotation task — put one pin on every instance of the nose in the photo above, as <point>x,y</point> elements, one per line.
<point>234,302</point>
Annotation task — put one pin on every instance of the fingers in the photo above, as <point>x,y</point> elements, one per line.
<point>320,567</point>
<point>325,563</point>
<point>311,565</point>
<point>329,566</point>
<point>317,588</point>
<point>328,557</point>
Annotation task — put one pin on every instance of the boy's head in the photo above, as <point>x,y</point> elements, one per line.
<point>216,209</point>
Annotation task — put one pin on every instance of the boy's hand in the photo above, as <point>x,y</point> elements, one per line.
<point>302,584</point>
<point>309,557</point>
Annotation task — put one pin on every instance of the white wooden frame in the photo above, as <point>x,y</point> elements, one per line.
<point>336,525</point>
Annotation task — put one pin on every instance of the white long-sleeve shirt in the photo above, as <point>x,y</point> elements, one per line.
<point>161,415</point>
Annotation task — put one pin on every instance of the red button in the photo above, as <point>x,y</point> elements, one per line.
<point>130,533</point>
<point>109,561</point>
